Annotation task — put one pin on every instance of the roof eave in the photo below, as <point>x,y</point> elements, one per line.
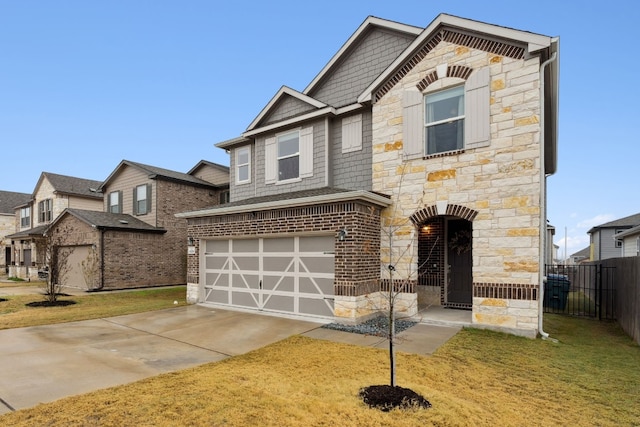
<point>366,196</point>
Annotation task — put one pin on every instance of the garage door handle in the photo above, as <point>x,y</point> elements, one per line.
<point>260,284</point>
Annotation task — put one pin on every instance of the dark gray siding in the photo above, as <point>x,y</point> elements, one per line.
<point>352,171</point>
<point>287,107</point>
<point>376,50</point>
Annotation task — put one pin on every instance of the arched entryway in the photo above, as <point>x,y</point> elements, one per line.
<point>445,256</point>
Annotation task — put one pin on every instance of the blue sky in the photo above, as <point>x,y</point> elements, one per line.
<point>86,84</point>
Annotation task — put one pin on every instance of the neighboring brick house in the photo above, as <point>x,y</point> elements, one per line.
<point>135,240</point>
<point>606,241</point>
<point>422,151</point>
<point>53,194</point>
<point>8,202</point>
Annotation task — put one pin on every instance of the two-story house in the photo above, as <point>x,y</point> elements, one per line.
<point>420,151</point>
<point>135,240</point>
<point>607,240</point>
<point>8,202</point>
<point>52,194</point>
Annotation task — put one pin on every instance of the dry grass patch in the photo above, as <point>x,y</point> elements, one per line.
<point>479,378</point>
<point>14,312</point>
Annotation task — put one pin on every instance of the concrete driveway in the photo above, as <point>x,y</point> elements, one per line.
<point>45,363</point>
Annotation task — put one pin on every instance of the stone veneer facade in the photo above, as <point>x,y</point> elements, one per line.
<point>499,182</point>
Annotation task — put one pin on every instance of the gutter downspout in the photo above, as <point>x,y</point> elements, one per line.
<point>543,200</point>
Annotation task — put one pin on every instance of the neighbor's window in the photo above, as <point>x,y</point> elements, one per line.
<point>224,196</point>
<point>115,202</point>
<point>444,121</point>
<point>25,217</point>
<point>618,241</point>
<point>44,210</point>
<point>243,164</point>
<point>288,156</point>
<point>142,199</point>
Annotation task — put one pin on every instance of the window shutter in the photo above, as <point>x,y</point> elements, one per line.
<point>412,123</point>
<point>306,152</point>
<point>149,191</point>
<point>270,161</point>
<point>352,133</point>
<point>120,201</point>
<point>135,202</point>
<point>476,109</point>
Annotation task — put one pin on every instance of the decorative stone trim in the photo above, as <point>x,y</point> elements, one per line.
<point>472,41</point>
<point>459,71</point>
<point>511,291</point>
<point>421,216</point>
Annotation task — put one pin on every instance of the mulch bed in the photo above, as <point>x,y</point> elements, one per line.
<point>386,398</point>
<point>50,303</point>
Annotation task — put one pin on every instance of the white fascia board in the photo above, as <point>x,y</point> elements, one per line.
<point>231,142</point>
<point>534,42</point>
<point>629,232</point>
<point>299,119</point>
<point>284,90</point>
<point>366,196</point>
<point>370,21</point>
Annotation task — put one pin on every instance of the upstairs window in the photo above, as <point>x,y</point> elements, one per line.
<point>142,199</point>
<point>45,210</point>
<point>25,217</point>
<point>288,156</point>
<point>444,121</point>
<point>115,202</point>
<point>243,165</point>
<point>224,197</point>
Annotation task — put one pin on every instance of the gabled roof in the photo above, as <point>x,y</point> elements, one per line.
<point>626,222</point>
<point>284,92</point>
<point>222,168</point>
<point>297,198</point>
<point>9,200</point>
<point>154,172</point>
<point>70,185</point>
<point>110,221</point>
<point>371,21</point>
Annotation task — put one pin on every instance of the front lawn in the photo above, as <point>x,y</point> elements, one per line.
<point>16,313</point>
<point>478,378</point>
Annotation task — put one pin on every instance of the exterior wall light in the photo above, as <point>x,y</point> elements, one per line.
<point>342,234</point>
<point>190,241</point>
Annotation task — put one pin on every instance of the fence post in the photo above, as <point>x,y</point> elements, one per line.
<point>599,291</point>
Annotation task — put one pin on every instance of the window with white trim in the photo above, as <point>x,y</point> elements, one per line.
<point>243,165</point>
<point>288,155</point>
<point>25,217</point>
<point>618,241</point>
<point>444,121</point>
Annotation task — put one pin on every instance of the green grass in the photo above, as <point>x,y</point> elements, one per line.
<point>590,377</point>
<point>14,312</point>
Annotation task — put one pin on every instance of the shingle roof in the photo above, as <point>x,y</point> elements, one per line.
<point>154,172</point>
<point>9,200</point>
<point>73,186</point>
<point>112,221</point>
<point>626,222</point>
<point>35,231</point>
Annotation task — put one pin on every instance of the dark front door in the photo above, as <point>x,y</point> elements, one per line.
<point>459,263</point>
<point>7,259</point>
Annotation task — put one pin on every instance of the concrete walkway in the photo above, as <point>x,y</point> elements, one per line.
<point>46,363</point>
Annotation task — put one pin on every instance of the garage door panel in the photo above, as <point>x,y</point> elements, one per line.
<point>280,244</point>
<point>288,274</point>
<point>244,299</point>
<point>280,303</point>
<point>318,307</point>
<point>316,244</point>
<point>317,264</point>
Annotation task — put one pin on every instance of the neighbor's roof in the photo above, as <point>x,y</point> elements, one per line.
<point>626,222</point>
<point>154,172</point>
<point>111,221</point>
<point>629,232</point>
<point>586,253</point>
<point>72,186</point>
<point>32,232</point>
<point>9,200</point>
<point>292,199</point>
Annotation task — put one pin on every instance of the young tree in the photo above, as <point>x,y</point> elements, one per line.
<point>56,260</point>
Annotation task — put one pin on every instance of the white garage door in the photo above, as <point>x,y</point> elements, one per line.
<point>287,275</point>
